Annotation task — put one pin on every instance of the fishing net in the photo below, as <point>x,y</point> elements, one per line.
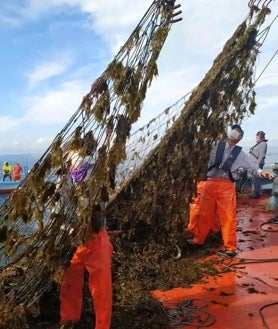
<point>167,157</point>
<point>145,180</point>
<point>48,215</point>
<point>165,160</point>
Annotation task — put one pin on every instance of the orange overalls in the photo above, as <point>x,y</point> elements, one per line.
<point>17,170</point>
<point>194,207</point>
<point>218,194</point>
<point>94,256</point>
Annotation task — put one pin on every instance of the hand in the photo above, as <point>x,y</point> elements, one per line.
<point>267,174</point>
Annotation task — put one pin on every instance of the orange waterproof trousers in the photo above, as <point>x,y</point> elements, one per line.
<point>16,176</point>
<point>194,208</point>
<point>218,197</point>
<point>95,256</point>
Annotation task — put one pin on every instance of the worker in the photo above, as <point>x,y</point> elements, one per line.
<point>218,198</point>
<point>95,257</point>
<point>257,154</point>
<point>7,170</point>
<point>80,167</point>
<point>17,172</point>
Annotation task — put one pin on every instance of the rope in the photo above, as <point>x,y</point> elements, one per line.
<point>271,221</point>
<point>271,59</point>
<point>246,261</point>
<point>265,32</point>
<point>262,316</point>
<point>189,312</point>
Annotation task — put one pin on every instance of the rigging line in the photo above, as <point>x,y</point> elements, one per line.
<point>271,59</point>
<point>260,41</point>
<point>265,32</point>
<point>269,26</point>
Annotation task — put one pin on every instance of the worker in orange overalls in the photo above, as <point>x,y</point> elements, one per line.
<point>17,172</point>
<point>219,196</point>
<point>94,256</point>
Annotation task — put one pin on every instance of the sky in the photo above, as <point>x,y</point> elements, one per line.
<point>52,51</point>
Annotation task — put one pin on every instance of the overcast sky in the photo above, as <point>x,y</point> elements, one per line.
<point>51,52</point>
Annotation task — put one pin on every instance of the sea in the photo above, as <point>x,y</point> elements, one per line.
<point>28,160</point>
<point>271,156</point>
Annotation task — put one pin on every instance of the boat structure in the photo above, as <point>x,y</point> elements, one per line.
<point>145,179</point>
<point>244,184</point>
<point>8,186</point>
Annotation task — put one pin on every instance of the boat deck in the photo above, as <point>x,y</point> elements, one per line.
<point>246,296</point>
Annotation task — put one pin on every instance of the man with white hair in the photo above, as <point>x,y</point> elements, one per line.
<point>218,198</point>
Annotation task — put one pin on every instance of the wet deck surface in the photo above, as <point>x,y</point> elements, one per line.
<point>247,295</point>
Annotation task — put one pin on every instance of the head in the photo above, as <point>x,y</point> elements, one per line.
<point>235,134</point>
<point>5,163</point>
<point>260,135</point>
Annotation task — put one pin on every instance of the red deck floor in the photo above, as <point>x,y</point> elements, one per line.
<point>240,298</point>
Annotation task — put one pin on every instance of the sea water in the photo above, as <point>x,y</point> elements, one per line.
<point>271,156</point>
<point>25,160</point>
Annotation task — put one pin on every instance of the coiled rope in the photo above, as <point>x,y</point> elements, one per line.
<point>189,312</point>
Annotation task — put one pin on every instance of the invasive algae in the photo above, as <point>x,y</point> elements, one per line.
<point>136,272</point>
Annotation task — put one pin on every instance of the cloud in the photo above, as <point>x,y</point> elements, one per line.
<point>10,14</point>
<point>42,142</point>
<point>55,85</point>
<point>55,105</point>
<point>8,21</point>
<point>45,71</point>
<point>7,123</point>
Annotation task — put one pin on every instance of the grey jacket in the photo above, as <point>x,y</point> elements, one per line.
<point>242,161</point>
<point>257,153</point>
